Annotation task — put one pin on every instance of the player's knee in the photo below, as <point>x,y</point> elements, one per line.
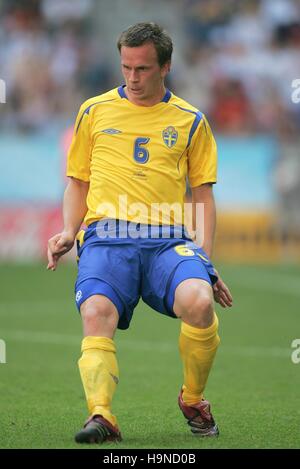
<point>201,312</point>
<point>98,310</point>
<point>198,310</point>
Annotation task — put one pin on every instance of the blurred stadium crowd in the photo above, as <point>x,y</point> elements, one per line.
<point>238,60</point>
<point>48,61</point>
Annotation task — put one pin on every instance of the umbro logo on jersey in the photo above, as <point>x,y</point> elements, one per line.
<point>111,131</point>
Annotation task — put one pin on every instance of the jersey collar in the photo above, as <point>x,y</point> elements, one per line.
<point>165,99</point>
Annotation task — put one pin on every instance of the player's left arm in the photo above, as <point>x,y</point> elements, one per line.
<point>203,195</point>
<point>202,172</point>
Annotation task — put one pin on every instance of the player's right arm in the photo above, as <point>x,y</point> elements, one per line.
<point>74,211</point>
<point>74,204</point>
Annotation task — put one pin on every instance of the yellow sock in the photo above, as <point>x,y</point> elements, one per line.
<point>197,349</point>
<point>99,374</point>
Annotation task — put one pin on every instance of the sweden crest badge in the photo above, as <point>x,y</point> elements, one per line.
<point>170,136</point>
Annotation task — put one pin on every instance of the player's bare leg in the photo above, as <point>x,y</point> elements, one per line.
<point>194,303</point>
<point>99,369</point>
<point>99,317</point>
<point>198,344</point>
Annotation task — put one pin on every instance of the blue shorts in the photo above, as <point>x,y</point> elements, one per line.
<point>125,268</point>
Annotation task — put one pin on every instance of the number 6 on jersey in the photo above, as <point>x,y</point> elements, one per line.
<point>141,154</point>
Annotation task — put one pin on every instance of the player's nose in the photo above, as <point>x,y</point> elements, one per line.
<point>133,77</point>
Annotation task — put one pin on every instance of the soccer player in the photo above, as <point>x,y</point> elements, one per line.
<point>131,152</point>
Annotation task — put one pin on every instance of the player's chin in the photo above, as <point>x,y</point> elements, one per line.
<point>137,92</point>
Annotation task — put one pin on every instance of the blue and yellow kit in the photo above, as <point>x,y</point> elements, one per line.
<point>144,154</point>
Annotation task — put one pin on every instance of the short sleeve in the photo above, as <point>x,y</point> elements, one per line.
<point>202,155</point>
<point>78,163</point>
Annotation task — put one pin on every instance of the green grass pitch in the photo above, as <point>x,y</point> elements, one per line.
<point>254,387</point>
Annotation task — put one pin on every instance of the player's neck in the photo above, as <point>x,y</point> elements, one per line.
<point>146,102</point>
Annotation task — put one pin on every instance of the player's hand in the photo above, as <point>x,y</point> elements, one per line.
<point>58,245</point>
<point>222,293</point>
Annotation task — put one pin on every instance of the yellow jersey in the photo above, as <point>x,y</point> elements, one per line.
<point>137,158</point>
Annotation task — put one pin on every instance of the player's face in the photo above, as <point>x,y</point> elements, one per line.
<point>143,75</point>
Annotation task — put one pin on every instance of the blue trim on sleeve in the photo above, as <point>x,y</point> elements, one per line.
<point>87,111</point>
<point>187,110</point>
<point>195,124</point>
<point>194,127</point>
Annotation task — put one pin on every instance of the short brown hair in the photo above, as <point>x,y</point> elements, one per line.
<point>141,33</point>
